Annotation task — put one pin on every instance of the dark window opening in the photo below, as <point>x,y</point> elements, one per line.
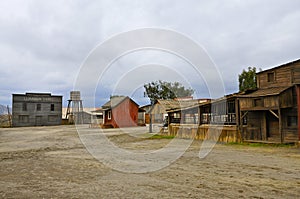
<point>38,107</point>
<point>271,77</point>
<point>258,102</point>
<point>24,118</point>
<point>292,121</point>
<point>52,107</point>
<point>99,116</point>
<point>52,118</point>
<point>109,115</point>
<point>24,107</point>
<point>219,113</point>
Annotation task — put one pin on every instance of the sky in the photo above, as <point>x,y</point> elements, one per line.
<point>45,44</point>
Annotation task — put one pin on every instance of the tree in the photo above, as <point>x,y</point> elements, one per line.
<point>247,79</point>
<point>166,90</point>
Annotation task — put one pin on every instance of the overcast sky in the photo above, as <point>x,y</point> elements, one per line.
<point>43,44</point>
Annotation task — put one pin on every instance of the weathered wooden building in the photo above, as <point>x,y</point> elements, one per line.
<point>171,110</point>
<point>120,111</point>
<point>268,114</point>
<point>271,113</point>
<point>211,119</point>
<point>144,114</point>
<point>36,109</point>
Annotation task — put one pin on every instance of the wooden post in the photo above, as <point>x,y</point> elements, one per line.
<point>280,126</point>
<point>9,117</point>
<point>199,116</point>
<point>263,126</point>
<point>298,111</point>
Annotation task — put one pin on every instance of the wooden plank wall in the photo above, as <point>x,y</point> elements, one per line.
<point>227,133</point>
<point>283,77</point>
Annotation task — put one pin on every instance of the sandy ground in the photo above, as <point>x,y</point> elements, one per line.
<point>51,162</point>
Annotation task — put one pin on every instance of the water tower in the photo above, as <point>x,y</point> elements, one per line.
<point>75,108</point>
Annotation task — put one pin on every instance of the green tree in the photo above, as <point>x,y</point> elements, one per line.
<point>166,90</point>
<point>247,79</point>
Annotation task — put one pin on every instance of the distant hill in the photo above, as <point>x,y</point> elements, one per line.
<point>3,110</point>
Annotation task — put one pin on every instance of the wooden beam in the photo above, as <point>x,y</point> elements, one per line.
<point>244,115</point>
<point>280,126</point>
<point>298,109</point>
<point>274,114</point>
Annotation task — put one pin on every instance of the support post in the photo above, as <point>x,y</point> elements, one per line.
<point>280,126</point>
<point>150,124</point>
<point>298,109</point>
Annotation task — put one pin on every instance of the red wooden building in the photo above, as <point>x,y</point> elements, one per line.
<point>120,111</point>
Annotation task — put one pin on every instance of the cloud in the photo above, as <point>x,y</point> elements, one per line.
<point>44,43</point>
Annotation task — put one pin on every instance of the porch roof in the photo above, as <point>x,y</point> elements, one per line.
<point>267,92</point>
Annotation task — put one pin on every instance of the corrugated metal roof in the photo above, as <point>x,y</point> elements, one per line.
<point>267,92</point>
<point>113,102</point>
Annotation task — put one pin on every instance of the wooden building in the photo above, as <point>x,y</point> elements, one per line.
<point>210,119</point>
<point>120,111</point>
<point>36,109</point>
<point>270,114</point>
<point>144,115</point>
<point>188,112</point>
<point>160,112</point>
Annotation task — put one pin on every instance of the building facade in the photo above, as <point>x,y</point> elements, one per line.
<point>120,111</point>
<point>36,109</point>
<point>271,113</point>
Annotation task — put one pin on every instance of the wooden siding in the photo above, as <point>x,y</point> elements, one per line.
<point>124,114</point>
<point>295,72</point>
<point>287,98</point>
<point>283,100</point>
<point>286,75</point>
<point>220,133</point>
<point>25,111</point>
<point>157,113</point>
<point>271,102</point>
<point>282,77</point>
<point>290,133</point>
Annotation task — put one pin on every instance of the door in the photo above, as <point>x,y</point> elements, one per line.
<point>38,120</point>
<point>272,127</point>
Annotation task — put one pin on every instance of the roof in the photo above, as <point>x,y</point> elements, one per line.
<point>91,111</point>
<point>115,101</point>
<point>282,65</point>
<point>171,105</point>
<point>267,92</point>
<point>36,95</point>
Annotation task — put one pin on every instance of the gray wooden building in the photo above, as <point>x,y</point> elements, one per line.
<point>36,109</point>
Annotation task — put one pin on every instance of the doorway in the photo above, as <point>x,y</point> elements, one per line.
<point>38,120</point>
<point>272,127</point>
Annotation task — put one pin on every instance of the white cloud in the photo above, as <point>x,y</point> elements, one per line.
<point>43,43</point>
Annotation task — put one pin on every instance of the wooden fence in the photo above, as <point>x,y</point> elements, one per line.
<point>220,133</point>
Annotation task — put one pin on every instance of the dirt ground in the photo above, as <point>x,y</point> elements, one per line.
<point>51,162</point>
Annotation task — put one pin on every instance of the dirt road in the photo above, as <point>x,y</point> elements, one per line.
<point>51,162</point>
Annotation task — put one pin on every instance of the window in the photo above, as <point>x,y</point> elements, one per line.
<point>271,77</point>
<point>53,118</point>
<point>292,121</point>
<point>38,107</point>
<point>52,107</point>
<point>23,118</point>
<point>24,107</point>
<point>109,115</point>
<point>176,115</point>
<point>258,102</point>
